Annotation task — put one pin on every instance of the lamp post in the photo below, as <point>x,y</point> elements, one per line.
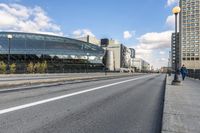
<point>105,65</point>
<point>169,65</point>
<point>87,61</point>
<point>9,45</point>
<point>176,10</point>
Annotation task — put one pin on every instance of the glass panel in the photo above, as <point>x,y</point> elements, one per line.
<point>34,44</point>
<point>17,44</point>
<point>3,43</point>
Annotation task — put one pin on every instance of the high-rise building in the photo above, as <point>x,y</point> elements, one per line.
<point>190,33</point>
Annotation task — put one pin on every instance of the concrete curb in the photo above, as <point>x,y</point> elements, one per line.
<point>164,106</point>
<point>37,85</point>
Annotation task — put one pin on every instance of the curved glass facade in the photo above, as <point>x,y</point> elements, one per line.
<point>39,44</point>
<point>53,47</point>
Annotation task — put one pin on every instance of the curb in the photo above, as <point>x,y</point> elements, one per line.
<point>164,105</point>
<point>57,83</point>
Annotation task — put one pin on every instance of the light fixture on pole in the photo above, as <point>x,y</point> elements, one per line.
<point>9,45</point>
<point>176,10</point>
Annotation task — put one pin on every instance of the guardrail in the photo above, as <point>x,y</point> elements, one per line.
<point>192,73</point>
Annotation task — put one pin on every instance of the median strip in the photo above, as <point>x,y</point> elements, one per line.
<point>20,86</point>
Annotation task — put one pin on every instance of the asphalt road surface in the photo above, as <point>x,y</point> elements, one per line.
<point>123,105</point>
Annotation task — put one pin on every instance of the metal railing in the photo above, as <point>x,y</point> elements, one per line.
<point>192,73</point>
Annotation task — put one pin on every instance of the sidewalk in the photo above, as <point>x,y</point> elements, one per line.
<point>182,107</point>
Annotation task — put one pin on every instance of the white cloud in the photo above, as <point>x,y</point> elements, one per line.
<point>128,34</point>
<point>163,59</point>
<point>82,33</point>
<point>153,57</point>
<point>171,2</point>
<point>162,52</point>
<point>6,19</point>
<point>170,22</point>
<point>16,17</point>
<point>155,40</point>
<point>152,46</point>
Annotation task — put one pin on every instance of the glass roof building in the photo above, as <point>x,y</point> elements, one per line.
<point>30,47</point>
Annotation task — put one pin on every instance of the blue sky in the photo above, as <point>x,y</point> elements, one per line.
<point>101,18</point>
<point>105,18</point>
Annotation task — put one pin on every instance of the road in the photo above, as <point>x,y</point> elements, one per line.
<point>122,105</point>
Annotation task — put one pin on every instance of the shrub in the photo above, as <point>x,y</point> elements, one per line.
<point>2,67</point>
<point>43,66</point>
<point>13,68</point>
<point>37,67</point>
<point>30,68</point>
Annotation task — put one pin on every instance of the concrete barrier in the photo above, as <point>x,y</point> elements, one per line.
<point>38,83</point>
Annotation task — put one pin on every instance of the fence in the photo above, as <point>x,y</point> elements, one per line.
<point>194,73</point>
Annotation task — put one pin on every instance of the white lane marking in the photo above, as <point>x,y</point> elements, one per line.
<point>11,109</point>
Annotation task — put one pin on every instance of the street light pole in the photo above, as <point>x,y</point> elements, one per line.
<point>105,65</point>
<point>176,10</point>
<point>9,46</point>
<point>169,65</point>
<point>87,62</point>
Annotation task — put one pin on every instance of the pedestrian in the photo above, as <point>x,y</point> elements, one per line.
<point>184,72</point>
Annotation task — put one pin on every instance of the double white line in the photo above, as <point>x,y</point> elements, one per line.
<point>11,109</point>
